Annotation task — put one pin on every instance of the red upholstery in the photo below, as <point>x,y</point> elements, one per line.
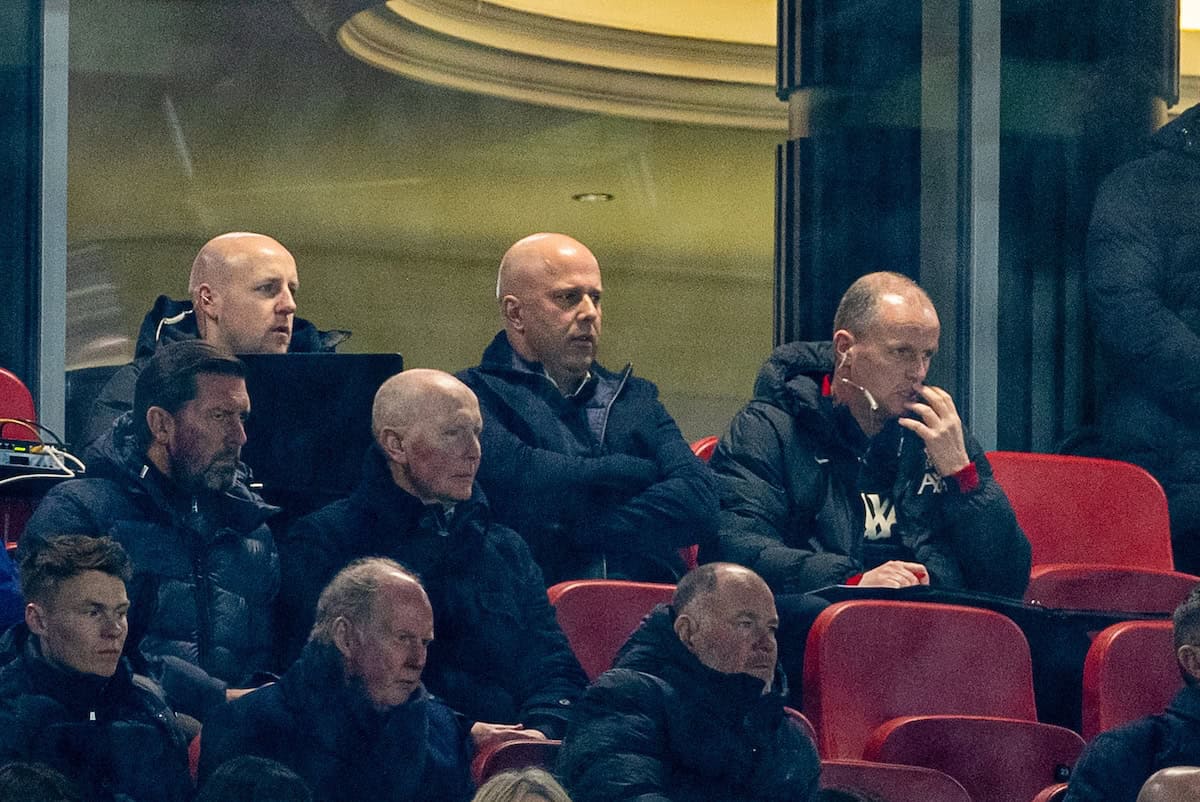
<point>1052,793</point>
<point>704,447</point>
<point>599,615</point>
<point>16,402</point>
<point>194,757</point>
<point>870,661</point>
<point>1130,672</point>
<point>890,783</point>
<point>997,759</point>
<point>1086,510</point>
<point>1106,587</point>
<point>509,755</point>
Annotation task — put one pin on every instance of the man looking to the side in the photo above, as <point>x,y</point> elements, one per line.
<point>69,700</point>
<point>693,709</point>
<point>586,464</point>
<point>351,716</point>
<point>848,468</point>
<point>168,485</point>
<point>242,291</point>
<point>500,657</point>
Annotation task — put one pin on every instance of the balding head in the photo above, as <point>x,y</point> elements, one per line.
<point>243,288</point>
<point>725,615</point>
<point>1175,784</point>
<point>427,424</point>
<point>549,290</point>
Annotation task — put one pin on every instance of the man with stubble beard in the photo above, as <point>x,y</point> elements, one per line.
<point>168,485</point>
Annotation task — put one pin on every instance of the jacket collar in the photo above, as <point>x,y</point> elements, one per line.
<point>75,690</point>
<point>404,512</point>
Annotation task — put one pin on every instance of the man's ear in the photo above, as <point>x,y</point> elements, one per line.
<point>161,424</point>
<point>343,636</point>
<point>842,341</point>
<point>35,619</point>
<point>510,307</point>
<point>685,629</point>
<point>392,444</point>
<point>1189,659</point>
<point>204,301</point>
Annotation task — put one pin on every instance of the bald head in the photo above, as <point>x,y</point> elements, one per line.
<point>725,615</point>
<point>243,288</point>
<point>860,304</point>
<point>549,290</point>
<point>427,424</point>
<point>1175,784</point>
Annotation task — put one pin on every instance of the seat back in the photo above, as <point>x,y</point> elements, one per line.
<point>889,783</point>
<point>16,402</point>
<point>868,661</point>
<point>1108,587</point>
<point>1130,671</point>
<point>1086,510</point>
<point>1052,793</point>
<point>599,615</point>
<point>510,755</point>
<point>997,759</point>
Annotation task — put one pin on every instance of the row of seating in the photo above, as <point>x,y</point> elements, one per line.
<point>935,685</point>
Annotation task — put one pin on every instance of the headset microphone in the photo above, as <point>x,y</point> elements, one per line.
<point>865,392</point>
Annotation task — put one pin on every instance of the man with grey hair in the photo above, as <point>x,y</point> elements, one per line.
<point>242,290</point>
<point>586,464</point>
<point>351,715</point>
<point>500,659</point>
<point>693,708</point>
<point>848,468</point>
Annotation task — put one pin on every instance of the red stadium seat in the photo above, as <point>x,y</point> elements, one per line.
<point>599,615</point>
<point>16,402</point>
<point>867,662</point>
<point>1130,672</point>
<point>194,757</point>
<point>1086,510</point>
<point>997,759</point>
<point>704,447</point>
<point>510,755</point>
<point>1107,587</point>
<point>891,783</point>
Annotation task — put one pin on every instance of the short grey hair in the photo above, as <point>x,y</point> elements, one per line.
<point>351,594</point>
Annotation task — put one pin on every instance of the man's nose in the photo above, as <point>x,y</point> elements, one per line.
<point>588,308</point>
<point>237,433</point>
<point>113,627</point>
<point>287,302</point>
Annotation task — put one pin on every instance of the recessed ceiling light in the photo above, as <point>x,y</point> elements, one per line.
<point>593,197</point>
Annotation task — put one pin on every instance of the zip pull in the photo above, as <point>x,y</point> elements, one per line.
<point>195,506</point>
<point>92,716</point>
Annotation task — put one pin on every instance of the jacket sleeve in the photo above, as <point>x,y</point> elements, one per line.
<point>993,553</point>
<point>552,679</point>
<point>768,490</point>
<point>1114,766</point>
<point>677,509</point>
<point>1127,293</point>
<point>614,749</point>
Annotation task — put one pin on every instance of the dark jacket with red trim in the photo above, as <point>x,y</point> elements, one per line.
<point>602,484</point>
<point>498,654</point>
<point>663,727</point>
<point>171,321</point>
<point>801,485</point>
<point>1116,763</point>
<point>1143,290</point>
<point>113,736</point>
<point>326,730</point>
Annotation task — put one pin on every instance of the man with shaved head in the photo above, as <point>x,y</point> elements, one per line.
<point>499,657</point>
<point>242,292</point>
<point>848,468</point>
<point>585,463</point>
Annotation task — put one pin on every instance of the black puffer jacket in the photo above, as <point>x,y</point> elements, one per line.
<point>326,730</point>
<point>1143,283</point>
<point>205,569</point>
<point>114,736</point>
<point>498,654</point>
<point>794,470</point>
<point>602,484</point>
<point>1117,762</point>
<point>172,321</point>
<point>663,727</point>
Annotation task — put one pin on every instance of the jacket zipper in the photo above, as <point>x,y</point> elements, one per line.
<point>202,611</point>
